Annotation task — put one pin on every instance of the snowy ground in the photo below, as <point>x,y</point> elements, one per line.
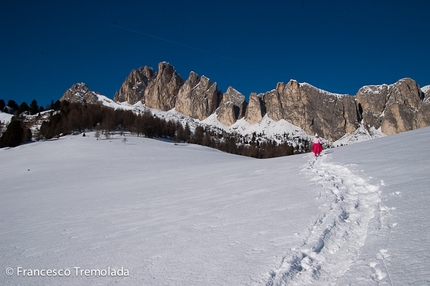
<point>5,117</point>
<point>169,214</point>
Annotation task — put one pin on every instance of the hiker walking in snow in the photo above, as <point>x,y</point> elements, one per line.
<point>317,145</point>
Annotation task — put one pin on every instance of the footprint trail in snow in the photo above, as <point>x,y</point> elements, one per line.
<point>332,243</point>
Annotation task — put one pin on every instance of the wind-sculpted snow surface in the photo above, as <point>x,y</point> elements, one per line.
<point>333,241</point>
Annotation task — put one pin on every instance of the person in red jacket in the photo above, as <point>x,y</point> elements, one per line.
<point>317,145</point>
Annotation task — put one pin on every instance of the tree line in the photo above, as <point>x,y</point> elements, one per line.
<point>13,108</point>
<point>68,118</point>
<point>16,132</point>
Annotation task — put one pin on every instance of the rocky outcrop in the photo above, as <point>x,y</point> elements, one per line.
<point>161,92</point>
<point>394,108</point>
<point>134,86</point>
<point>312,109</point>
<point>231,108</point>
<point>423,116</point>
<point>226,113</point>
<point>154,89</point>
<point>80,93</point>
<point>328,114</point>
<point>255,109</point>
<point>426,91</point>
<point>273,105</point>
<point>198,97</point>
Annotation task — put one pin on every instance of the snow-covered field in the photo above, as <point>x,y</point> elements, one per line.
<point>77,211</point>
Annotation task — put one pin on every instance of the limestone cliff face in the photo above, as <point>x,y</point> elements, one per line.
<point>255,109</point>
<point>328,114</point>
<point>134,86</point>
<point>395,108</point>
<point>423,117</point>
<point>226,113</point>
<point>295,103</point>
<point>426,91</point>
<point>231,108</point>
<point>162,91</point>
<point>273,105</point>
<point>154,89</point>
<point>313,110</point>
<point>79,93</point>
<point>198,97</point>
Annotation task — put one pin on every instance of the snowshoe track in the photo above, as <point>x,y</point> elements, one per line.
<point>332,243</point>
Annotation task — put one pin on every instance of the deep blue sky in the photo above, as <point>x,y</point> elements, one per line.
<point>339,46</point>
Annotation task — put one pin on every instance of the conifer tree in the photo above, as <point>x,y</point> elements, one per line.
<point>12,104</point>
<point>13,136</point>
<point>187,132</point>
<point>198,135</point>
<point>179,134</point>
<point>23,108</point>
<point>34,108</point>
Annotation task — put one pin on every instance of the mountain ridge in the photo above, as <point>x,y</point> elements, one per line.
<point>392,108</point>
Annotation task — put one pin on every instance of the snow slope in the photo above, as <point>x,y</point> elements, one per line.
<point>361,134</point>
<point>188,215</point>
<point>5,117</point>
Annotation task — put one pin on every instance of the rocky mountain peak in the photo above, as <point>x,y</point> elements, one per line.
<point>234,96</point>
<point>198,97</point>
<point>232,107</point>
<point>79,93</point>
<point>161,92</point>
<point>133,88</point>
<point>155,89</point>
<point>166,71</point>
